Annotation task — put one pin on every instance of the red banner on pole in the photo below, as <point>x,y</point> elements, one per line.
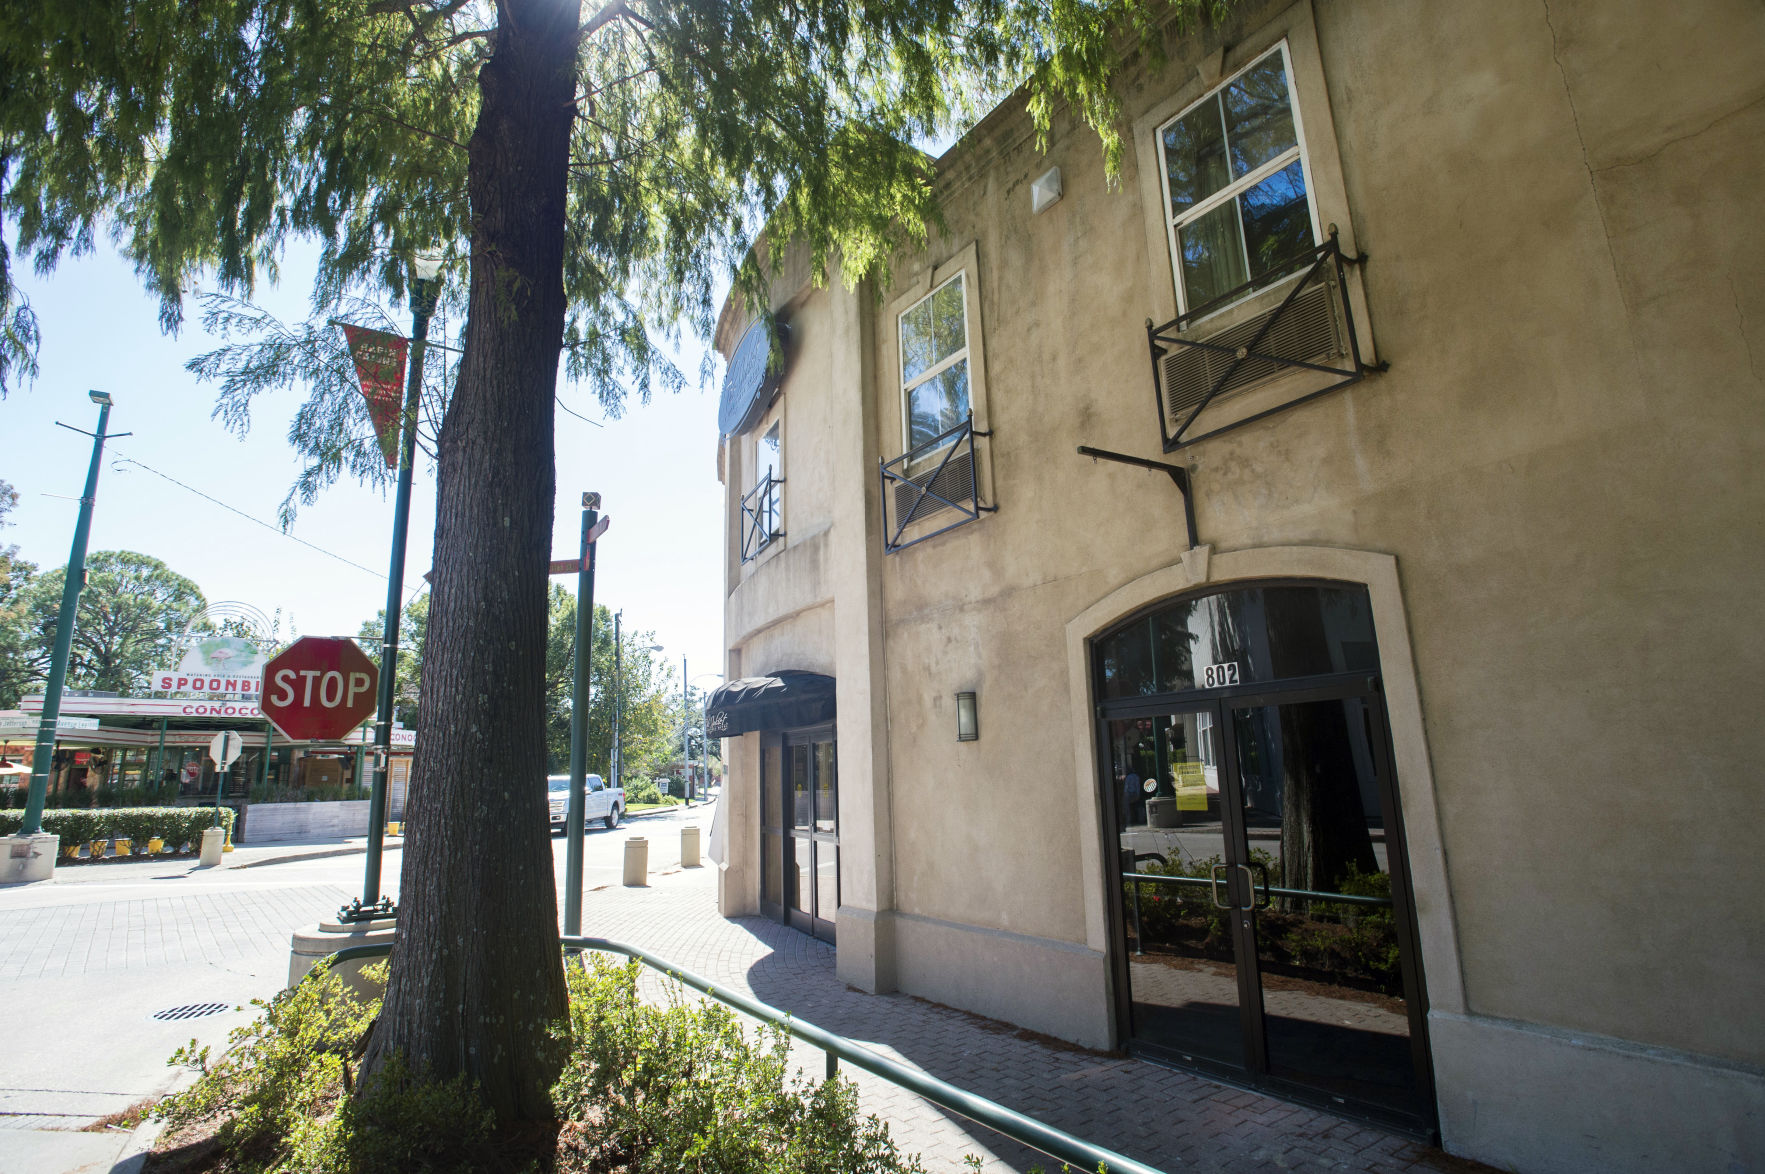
<point>379,364</point>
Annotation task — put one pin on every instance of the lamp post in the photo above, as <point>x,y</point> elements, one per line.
<point>705,729</point>
<point>425,287</point>
<point>64,629</point>
<point>619,698</point>
<point>686,746</point>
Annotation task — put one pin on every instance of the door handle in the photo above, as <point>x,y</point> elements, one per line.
<point>1250,885</point>
<point>1214,889</point>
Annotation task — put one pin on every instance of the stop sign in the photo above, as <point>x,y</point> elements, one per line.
<point>320,689</point>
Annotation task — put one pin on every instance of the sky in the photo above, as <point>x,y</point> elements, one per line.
<point>655,468</point>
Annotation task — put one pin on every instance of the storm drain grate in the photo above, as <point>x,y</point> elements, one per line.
<point>192,1011</point>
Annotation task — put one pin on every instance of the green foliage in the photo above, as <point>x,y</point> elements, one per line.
<point>177,826</point>
<point>644,791</point>
<point>279,1095</point>
<point>646,683</point>
<point>413,638</point>
<point>656,1090</point>
<point>132,609</point>
<point>342,792</point>
<point>647,1090</point>
<point>18,668</point>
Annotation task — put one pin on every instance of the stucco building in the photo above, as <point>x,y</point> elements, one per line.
<point>1408,762</point>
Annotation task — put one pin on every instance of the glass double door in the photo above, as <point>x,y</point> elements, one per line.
<point>799,830</point>
<point>1265,927</point>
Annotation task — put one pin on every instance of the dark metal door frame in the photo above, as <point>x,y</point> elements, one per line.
<point>1222,703</point>
<point>808,922</point>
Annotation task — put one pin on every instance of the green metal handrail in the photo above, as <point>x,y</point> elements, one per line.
<point>1063,1147</point>
<point>1305,894</point>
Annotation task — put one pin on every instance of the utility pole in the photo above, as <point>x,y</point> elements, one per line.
<point>425,286</point>
<point>618,764</point>
<point>686,746</point>
<point>64,627</point>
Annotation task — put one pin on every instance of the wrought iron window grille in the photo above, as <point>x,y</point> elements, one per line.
<point>760,518</point>
<point>952,483</point>
<point>1311,329</point>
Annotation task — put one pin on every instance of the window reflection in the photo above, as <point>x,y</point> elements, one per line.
<point>1261,633</point>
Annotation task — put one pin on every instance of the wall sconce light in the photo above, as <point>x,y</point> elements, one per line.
<point>968,725</point>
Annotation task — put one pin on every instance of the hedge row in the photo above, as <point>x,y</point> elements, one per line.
<point>75,825</point>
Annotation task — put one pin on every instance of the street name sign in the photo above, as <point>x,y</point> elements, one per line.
<point>320,689</point>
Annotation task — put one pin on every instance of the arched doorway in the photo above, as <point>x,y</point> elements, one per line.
<point>1261,908</point>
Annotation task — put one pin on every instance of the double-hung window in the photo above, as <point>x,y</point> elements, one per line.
<point>934,363</point>
<point>1235,182</point>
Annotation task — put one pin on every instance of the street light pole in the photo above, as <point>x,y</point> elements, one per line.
<point>686,745</point>
<point>425,286</point>
<point>617,765</point>
<point>705,732</point>
<point>64,630</point>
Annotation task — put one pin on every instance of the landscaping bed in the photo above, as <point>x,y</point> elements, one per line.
<point>644,1090</point>
<point>82,829</point>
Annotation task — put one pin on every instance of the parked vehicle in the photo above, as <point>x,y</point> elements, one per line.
<point>600,801</point>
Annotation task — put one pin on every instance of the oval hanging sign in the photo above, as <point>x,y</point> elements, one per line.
<point>748,384</point>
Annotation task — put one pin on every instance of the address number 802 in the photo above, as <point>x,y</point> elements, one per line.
<point>1218,676</point>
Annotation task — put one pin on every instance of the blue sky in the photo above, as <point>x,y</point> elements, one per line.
<point>655,467</point>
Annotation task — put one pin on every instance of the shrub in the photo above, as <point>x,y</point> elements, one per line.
<point>645,1090</point>
<point>643,791</point>
<point>279,1099</point>
<point>78,825</point>
<point>683,1087</point>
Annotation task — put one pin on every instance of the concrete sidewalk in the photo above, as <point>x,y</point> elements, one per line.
<point>1170,1119</point>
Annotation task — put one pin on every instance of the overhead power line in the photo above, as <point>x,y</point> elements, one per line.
<point>259,521</point>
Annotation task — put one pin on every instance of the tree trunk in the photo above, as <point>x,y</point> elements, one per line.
<point>476,976</point>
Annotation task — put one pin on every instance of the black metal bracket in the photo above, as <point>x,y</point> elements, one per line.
<point>1178,474</point>
<point>355,911</point>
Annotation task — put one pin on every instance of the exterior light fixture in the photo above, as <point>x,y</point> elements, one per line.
<point>1045,191</point>
<point>968,724</point>
<point>427,266</point>
<point>101,398</point>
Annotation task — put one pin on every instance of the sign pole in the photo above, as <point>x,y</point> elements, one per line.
<point>618,702</point>
<point>573,830</point>
<point>64,633</point>
<point>422,305</point>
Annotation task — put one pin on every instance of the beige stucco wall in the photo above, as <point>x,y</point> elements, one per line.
<point>1562,206</point>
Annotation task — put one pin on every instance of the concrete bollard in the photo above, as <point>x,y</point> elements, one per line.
<point>637,861</point>
<point>689,846</point>
<point>212,839</point>
<point>24,859</point>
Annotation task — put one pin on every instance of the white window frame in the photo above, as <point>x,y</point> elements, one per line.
<point>937,368</point>
<point>1196,75</point>
<point>754,441</point>
<point>1173,223</point>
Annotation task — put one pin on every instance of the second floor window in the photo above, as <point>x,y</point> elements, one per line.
<point>934,363</point>
<point>1234,173</point>
<point>771,468</point>
<point>761,504</point>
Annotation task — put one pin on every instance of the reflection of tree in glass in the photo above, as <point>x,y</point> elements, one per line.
<point>1259,120</point>
<point>1277,220</point>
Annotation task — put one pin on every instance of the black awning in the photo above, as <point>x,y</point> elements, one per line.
<point>784,701</point>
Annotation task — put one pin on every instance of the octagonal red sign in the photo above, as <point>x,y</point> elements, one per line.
<point>320,689</point>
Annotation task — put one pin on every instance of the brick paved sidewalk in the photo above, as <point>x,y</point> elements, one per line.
<point>1166,1118</point>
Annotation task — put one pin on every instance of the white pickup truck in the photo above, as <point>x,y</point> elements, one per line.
<point>601,802</point>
